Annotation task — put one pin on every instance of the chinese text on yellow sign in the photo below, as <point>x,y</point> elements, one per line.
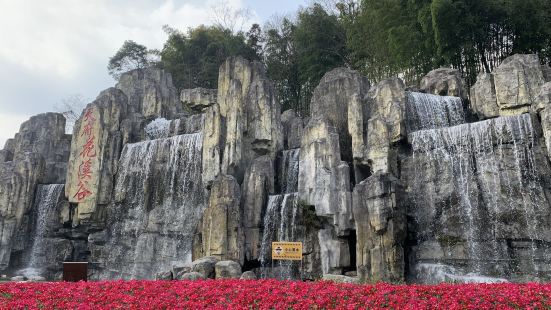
<point>287,250</point>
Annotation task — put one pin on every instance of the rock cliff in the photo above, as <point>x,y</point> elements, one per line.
<point>379,183</point>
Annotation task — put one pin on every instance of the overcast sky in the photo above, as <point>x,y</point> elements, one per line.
<point>53,49</point>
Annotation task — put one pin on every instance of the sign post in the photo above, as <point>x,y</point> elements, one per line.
<point>282,250</point>
<point>287,251</point>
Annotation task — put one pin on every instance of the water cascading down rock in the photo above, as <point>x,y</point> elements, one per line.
<point>478,201</point>
<point>47,197</point>
<point>159,201</point>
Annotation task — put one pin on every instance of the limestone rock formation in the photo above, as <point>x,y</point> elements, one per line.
<point>198,99</point>
<point>37,154</point>
<point>227,269</point>
<point>222,230</point>
<point>18,181</point>
<point>99,136</point>
<point>258,184</point>
<point>340,96</point>
<point>517,82</point>
<point>248,275</point>
<point>244,124</point>
<point>378,183</point>
<point>324,180</point>
<point>543,106</point>
<point>444,82</point>
<point>150,93</point>
<point>205,266</point>
<point>381,229</point>
<point>292,129</point>
<point>483,96</point>
<point>511,89</point>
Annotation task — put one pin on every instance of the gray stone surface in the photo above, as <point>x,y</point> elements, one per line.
<point>244,124</point>
<point>205,266</point>
<point>248,275</point>
<point>99,133</point>
<point>198,99</point>
<point>150,93</point>
<point>222,227</point>
<point>517,82</point>
<point>293,126</point>
<point>444,82</point>
<point>257,185</point>
<point>483,97</point>
<point>340,96</point>
<point>227,269</point>
<point>192,276</point>
<point>380,228</point>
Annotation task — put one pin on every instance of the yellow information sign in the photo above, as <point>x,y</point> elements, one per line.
<point>287,250</point>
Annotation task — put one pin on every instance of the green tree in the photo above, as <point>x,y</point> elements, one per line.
<point>130,56</point>
<point>320,43</point>
<point>281,61</point>
<point>410,37</point>
<point>193,58</point>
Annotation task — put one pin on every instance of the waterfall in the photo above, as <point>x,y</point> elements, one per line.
<point>47,197</point>
<point>160,128</point>
<point>488,165</point>
<point>426,111</point>
<point>159,201</point>
<point>279,225</point>
<point>288,171</point>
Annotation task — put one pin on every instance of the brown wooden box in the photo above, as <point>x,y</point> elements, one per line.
<point>75,271</point>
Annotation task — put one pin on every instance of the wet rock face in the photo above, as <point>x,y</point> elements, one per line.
<point>37,154</point>
<point>244,124</point>
<point>444,82</point>
<point>475,191</point>
<point>18,180</point>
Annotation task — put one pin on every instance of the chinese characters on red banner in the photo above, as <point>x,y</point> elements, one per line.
<point>87,156</point>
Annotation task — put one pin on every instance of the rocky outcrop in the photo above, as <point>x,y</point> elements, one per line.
<point>324,180</point>
<point>205,266</point>
<point>483,96</point>
<point>150,93</point>
<point>198,99</point>
<point>340,98</point>
<point>99,136</point>
<point>380,216</point>
<point>258,184</point>
<point>292,129</point>
<point>543,107</point>
<point>222,228</point>
<point>511,89</point>
<point>227,269</point>
<point>517,82</point>
<point>244,124</point>
<point>444,82</point>
<point>37,154</point>
<point>18,180</point>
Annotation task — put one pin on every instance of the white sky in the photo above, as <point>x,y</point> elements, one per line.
<point>52,49</point>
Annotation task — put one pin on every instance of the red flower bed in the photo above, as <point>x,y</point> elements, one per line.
<point>269,294</point>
